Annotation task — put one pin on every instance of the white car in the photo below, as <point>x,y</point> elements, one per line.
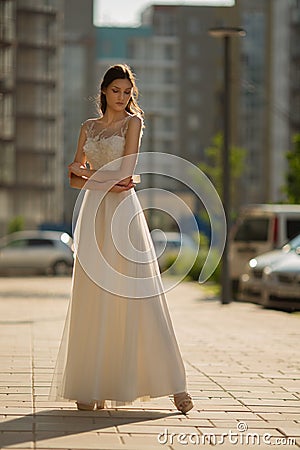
<point>48,252</point>
<point>251,282</point>
<point>282,283</point>
<point>260,229</point>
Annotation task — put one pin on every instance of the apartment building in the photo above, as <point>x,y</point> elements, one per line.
<point>270,101</point>
<point>7,122</point>
<point>31,118</point>
<point>179,74</point>
<point>294,92</point>
<point>80,84</point>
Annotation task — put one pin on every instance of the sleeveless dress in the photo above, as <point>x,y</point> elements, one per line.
<point>118,344</point>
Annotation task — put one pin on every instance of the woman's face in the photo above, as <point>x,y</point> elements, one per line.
<point>118,94</point>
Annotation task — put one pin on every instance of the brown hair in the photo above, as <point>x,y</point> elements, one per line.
<point>119,71</point>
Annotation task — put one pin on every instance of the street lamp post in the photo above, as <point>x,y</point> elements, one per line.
<point>226,33</point>
<point>150,126</point>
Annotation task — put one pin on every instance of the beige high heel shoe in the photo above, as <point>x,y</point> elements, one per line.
<point>100,404</point>
<point>183,402</point>
<point>85,406</point>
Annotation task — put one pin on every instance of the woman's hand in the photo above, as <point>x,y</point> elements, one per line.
<point>78,169</point>
<point>125,182</point>
<point>122,187</point>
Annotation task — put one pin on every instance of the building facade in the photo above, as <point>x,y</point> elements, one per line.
<point>80,85</point>
<point>270,105</point>
<point>179,75</point>
<point>294,92</point>
<point>31,121</point>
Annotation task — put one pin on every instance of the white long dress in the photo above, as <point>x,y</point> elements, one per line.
<point>117,344</point>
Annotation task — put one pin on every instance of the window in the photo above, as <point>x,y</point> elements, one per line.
<point>40,243</point>
<point>170,76</point>
<point>194,97</point>
<point>165,24</point>
<point>196,26</point>
<point>7,162</point>
<point>193,74</point>
<point>254,229</point>
<point>193,25</point>
<point>169,52</point>
<point>193,121</point>
<point>292,227</point>
<point>193,50</point>
<point>194,146</point>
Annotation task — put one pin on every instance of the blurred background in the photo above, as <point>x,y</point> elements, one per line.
<point>52,58</point>
<point>53,54</point>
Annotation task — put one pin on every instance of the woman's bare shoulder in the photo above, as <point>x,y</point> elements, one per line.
<point>136,121</point>
<point>90,122</point>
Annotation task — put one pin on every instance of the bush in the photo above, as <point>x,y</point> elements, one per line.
<point>16,224</point>
<point>184,261</point>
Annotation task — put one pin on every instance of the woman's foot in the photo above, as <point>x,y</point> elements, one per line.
<point>183,402</point>
<point>100,404</point>
<point>85,406</point>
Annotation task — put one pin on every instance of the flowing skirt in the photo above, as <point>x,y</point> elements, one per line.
<point>118,342</point>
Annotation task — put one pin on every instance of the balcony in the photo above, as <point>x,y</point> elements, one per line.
<point>35,115</point>
<point>29,186</point>
<point>6,129</point>
<point>7,36</point>
<point>37,78</point>
<point>29,150</point>
<point>295,88</point>
<point>295,18</point>
<point>32,43</point>
<point>34,7</point>
<point>5,137</point>
<point>295,50</point>
<point>5,42</point>
<point>6,83</point>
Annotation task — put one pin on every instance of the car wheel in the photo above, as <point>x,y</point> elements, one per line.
<point>265,300</point>
<point>61,268</point>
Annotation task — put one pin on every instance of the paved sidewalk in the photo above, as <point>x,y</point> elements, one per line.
<point>242,364</point>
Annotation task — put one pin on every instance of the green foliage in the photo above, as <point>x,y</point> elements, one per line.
<point>15,224</point>
<point>213,166</point>
<point>198,265</point>
<point>292,188</point>
<point>181,264</point>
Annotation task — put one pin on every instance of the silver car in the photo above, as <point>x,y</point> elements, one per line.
<point>251,282</point>
<point>48,252</point>
<point>282,283</point>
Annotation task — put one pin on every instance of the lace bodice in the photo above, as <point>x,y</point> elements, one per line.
<point>104,144</point>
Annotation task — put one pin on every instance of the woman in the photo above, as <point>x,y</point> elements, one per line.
<point>118,343</point>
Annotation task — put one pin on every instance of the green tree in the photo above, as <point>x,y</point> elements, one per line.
<point>292,188</point>
<point>15,224</point>
<point>212,167</point>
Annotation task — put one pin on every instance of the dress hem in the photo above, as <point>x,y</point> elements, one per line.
<point>115,402</point>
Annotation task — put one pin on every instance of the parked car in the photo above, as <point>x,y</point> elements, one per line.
<point>282,283</point>
<point>260,228</point>
<point>168,244</point>
<point>251,282</point>
<point>48,252</point>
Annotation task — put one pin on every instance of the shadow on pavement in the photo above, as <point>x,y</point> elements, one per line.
<point>55,423</point>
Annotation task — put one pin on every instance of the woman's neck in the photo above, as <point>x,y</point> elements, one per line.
<point>111,116</point>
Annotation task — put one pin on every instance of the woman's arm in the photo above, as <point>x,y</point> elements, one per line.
<point>132,143</point>
<point>80,155</point>
<point>82,183</point>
